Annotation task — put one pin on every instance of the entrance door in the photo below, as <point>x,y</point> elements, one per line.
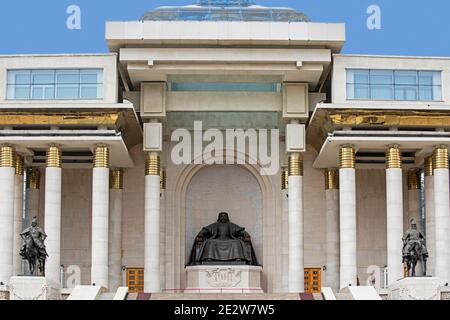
<point>313,280</point>
<point>135,280</point>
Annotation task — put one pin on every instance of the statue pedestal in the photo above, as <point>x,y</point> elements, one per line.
<point>32,288</point>
<point>419,288</point>
<point>224,279</point>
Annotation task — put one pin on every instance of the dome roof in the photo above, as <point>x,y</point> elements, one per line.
<point>224,10</point>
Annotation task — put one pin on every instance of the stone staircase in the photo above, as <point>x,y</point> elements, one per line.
<point>223,296</point>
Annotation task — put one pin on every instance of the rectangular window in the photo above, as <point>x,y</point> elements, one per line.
<point>225,86</point>
<point>398,85</point>
<point>54,84</point>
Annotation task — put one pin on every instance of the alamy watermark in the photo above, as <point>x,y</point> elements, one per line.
<point>374,19</point>
<point>73,21</point>
<point>229,146</point>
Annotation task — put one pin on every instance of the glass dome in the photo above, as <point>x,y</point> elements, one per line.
<point>224,10</point>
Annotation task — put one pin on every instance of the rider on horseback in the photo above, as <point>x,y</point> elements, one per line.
<point>414,240</point>
<point>38,235</point>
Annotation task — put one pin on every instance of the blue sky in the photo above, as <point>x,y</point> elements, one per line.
<point>409,27</point>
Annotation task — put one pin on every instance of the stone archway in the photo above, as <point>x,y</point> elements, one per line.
<point>269,200</point>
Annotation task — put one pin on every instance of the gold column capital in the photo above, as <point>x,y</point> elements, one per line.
<point>347,157</point>
<point>7,155</point>
<point>428,166</point>
<point>393,157</point>
<point>414,180</point>
<point>54,157</point>
<point>116,179</point>
<point>295,165</point>
<point>331,179</point>
<point>284,179</point>
<point>33,178</point>
<point>152,164</point>
<point>19,165</point>
<point>163,179</point>
<point>101,156</point>
<point>440,158</point>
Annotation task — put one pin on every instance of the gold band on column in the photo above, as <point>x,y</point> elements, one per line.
<point>428,166</point>
<point>331,179</point>
<point>393,158</point>
<point>152,165</point>
<point>163,179</point>
<point>347,158</point>
<point>7,155</point>
<point>116,179</point>
<point>19,165</point>
<point>54,157</point>
<point>284,179</point>
<point>440,158</point>
<point>101,157</point>
<point>33,179</point>
<point>295,165</point>
<point>414,180</point>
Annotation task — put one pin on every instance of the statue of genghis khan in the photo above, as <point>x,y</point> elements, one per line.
<point>33,248</point>
<point>414,250</point>
<point>222,243</point>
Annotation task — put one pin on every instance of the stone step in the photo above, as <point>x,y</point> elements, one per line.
<point>106,296</point>
<point>212,296</point>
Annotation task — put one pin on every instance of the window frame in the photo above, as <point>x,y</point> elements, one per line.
<point>419,86</point>
<point>11,86</point>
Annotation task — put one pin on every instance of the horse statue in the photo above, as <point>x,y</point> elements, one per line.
<point>33,248</point>
<point>414,250</point>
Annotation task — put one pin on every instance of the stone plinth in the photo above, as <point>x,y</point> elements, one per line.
<point>420,288</point>
<point>224,279</point>
<point>32,288</point>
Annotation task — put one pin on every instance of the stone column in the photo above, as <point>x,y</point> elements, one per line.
<point>347,210</point>
<point>296,267</point>
<point>332,216</point>
<point>100,217</point>
<point>162,232</point>
<point>429,215</point>
<point>284,238</point>
<point>394,212</point>
<point>152,276</point>
<point>441,209</point>
<point>7,171</point>
<point>414,187</point>
<point>53,186</point>
<point>33,184</point>
<point>18,214</point>
<point>115,229</point>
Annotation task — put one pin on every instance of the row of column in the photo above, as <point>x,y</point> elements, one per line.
<point>341,215</point>
<point>106,257</point>
<point>341,236</point>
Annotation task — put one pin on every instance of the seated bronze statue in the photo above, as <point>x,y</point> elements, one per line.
<point>223,243</point>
